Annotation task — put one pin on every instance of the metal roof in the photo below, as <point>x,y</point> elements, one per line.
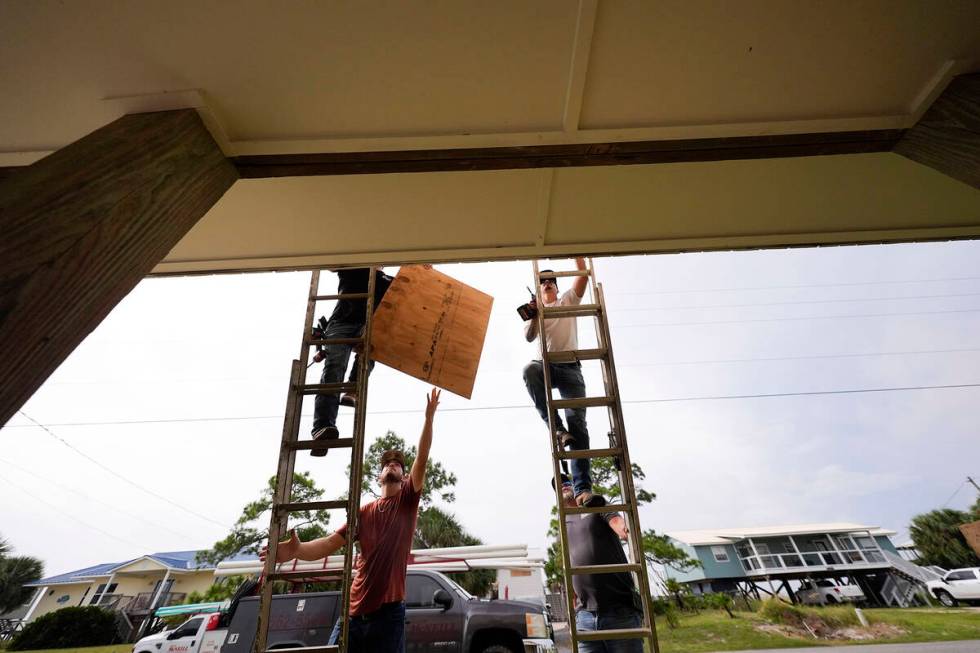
<point>173,560</point>
<point>729,535</point>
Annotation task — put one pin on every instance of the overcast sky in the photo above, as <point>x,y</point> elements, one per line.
<point>167,419</point>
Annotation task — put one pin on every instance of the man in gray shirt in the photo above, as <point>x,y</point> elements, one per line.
<point>602,601</point>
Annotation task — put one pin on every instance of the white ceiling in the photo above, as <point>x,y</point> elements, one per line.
<point>355,76</point>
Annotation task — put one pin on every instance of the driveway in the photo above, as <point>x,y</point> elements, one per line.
<point>971,646</point>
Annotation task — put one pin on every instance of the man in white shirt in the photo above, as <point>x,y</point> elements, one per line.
<point>561,334</point>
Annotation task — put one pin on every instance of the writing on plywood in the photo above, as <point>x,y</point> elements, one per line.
<point>432,327</point>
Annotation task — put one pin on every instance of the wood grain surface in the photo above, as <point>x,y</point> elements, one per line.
<point>947,138</point>
<point>971,532</point>
<point>81,227</point>
<point>432,327</point>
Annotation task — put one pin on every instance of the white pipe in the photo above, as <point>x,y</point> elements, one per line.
<point>463,552</point>
<point>462,565</point>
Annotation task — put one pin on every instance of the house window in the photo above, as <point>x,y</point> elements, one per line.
<point>101,591</point>
<point>720,553</point>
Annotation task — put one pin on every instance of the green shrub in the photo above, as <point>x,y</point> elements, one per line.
<point>67,628</point>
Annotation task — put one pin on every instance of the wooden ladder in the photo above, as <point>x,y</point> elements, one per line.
<point>282,505</point>
<point>618,450</point>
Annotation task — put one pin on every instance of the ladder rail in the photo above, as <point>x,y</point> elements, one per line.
<point>357,462</point>
<point>627,485</point>
<point>285,469</point>
<point>556,464</point>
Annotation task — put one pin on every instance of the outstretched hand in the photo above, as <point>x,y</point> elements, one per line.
<point>286,550</point>
<point>431,403</point>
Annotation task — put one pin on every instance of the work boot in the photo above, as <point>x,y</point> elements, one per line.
<point>348,399</point>
<point>565,439</point>
<point>589,500</point>
<point>325,433</point>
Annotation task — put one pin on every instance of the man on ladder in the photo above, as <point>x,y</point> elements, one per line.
<point>385,530</point>
<point>602,601</point>
<point>346,321</point>
<point>561,334</point>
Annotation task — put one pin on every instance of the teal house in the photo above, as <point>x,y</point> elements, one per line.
<point>776,559</point>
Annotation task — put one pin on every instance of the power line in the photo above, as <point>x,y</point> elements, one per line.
<point>794,319</point>
<point>802,301</point>
<point>181,420</point>
<point>788,287</point>
<point>74,518</point>
<point>953,495</point>
<point>93,499</point>
<point>120,476</point>
<point>801,358</point>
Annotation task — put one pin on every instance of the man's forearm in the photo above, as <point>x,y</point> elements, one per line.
<point>422,458</point>
<point>531,329</point>
<point>320,547</point>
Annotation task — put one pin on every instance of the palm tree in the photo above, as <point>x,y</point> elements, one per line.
<point>15,572</point>
<point>939,541</point>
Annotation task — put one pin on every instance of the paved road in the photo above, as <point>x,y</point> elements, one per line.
<point>971,646</point>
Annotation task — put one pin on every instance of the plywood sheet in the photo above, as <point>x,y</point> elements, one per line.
<point>432,327</point>
<point>972,534</point>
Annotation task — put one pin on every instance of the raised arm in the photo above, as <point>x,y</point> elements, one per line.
<point>425,440</point>
<point>580,282</point>
<point>312,550</point>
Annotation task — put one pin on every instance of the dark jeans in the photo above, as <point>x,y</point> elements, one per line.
<point>381,631</point>
<point>586,621</point>
<point>334,365</point>
<point>567,377</point>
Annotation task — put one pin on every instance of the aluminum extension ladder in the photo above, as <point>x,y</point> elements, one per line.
<point>617,450</point>
<point>282,506</point>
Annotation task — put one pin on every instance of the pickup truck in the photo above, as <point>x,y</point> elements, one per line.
<point>440,616</point>
<point>827,592</point>
<point>956,585</point>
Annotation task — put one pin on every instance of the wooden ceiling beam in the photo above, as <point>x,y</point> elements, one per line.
<point>82,226</point>
<point>562,156</point>
<point>947,138</point>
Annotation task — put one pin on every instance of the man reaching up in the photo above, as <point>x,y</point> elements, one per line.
<point>385,530</point>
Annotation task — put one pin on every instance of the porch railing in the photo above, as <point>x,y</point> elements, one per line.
<point>144,600</point>
<point>805,559</point>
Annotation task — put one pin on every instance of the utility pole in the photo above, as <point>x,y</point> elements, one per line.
<point>973,483</point>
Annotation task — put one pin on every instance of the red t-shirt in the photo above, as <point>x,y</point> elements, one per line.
<point>385,530</point>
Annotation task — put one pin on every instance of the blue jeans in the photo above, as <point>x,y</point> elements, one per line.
<point>567,378</point>
<point>334,365</point>
<point>381,631</point>
<point>608,620</point>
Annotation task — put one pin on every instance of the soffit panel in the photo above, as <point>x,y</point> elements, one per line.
<point>288,70</point>
<point>354,215</point>
<point>315,221</point>
<point>706,62</point>
<point>762,197</point>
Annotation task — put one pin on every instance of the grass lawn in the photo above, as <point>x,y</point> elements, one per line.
<point>715,631</point>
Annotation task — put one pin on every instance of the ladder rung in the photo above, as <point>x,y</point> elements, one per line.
<point>327,388</point>
<point>605,569</point>
<point>302,574</point>
<point>578,310</point>
<point>595,635</point>
<point>575,355</point>
<point>590,453</point>
<point>305,649</point>
<point>582,402</point>
<point>584,510</point>
<point>346,295</point>
<point>332,341</point>
<point>300,445</point>
<point>564,273</point>
<point>311,505</point>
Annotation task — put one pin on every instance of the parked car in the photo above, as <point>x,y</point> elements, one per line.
<point>440,616</point>
<point>957,585</point>
<point>828,592</point>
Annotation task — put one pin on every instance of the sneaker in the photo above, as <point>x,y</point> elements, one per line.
<point>565,439</point>
<point>589,500</point>
<point>348,399</point>
<point>326,433</point>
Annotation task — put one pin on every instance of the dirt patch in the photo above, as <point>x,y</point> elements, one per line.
<point>816,629</point>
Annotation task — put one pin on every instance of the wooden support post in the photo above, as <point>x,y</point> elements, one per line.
<point>83,226</point>
<point>947,138</point>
